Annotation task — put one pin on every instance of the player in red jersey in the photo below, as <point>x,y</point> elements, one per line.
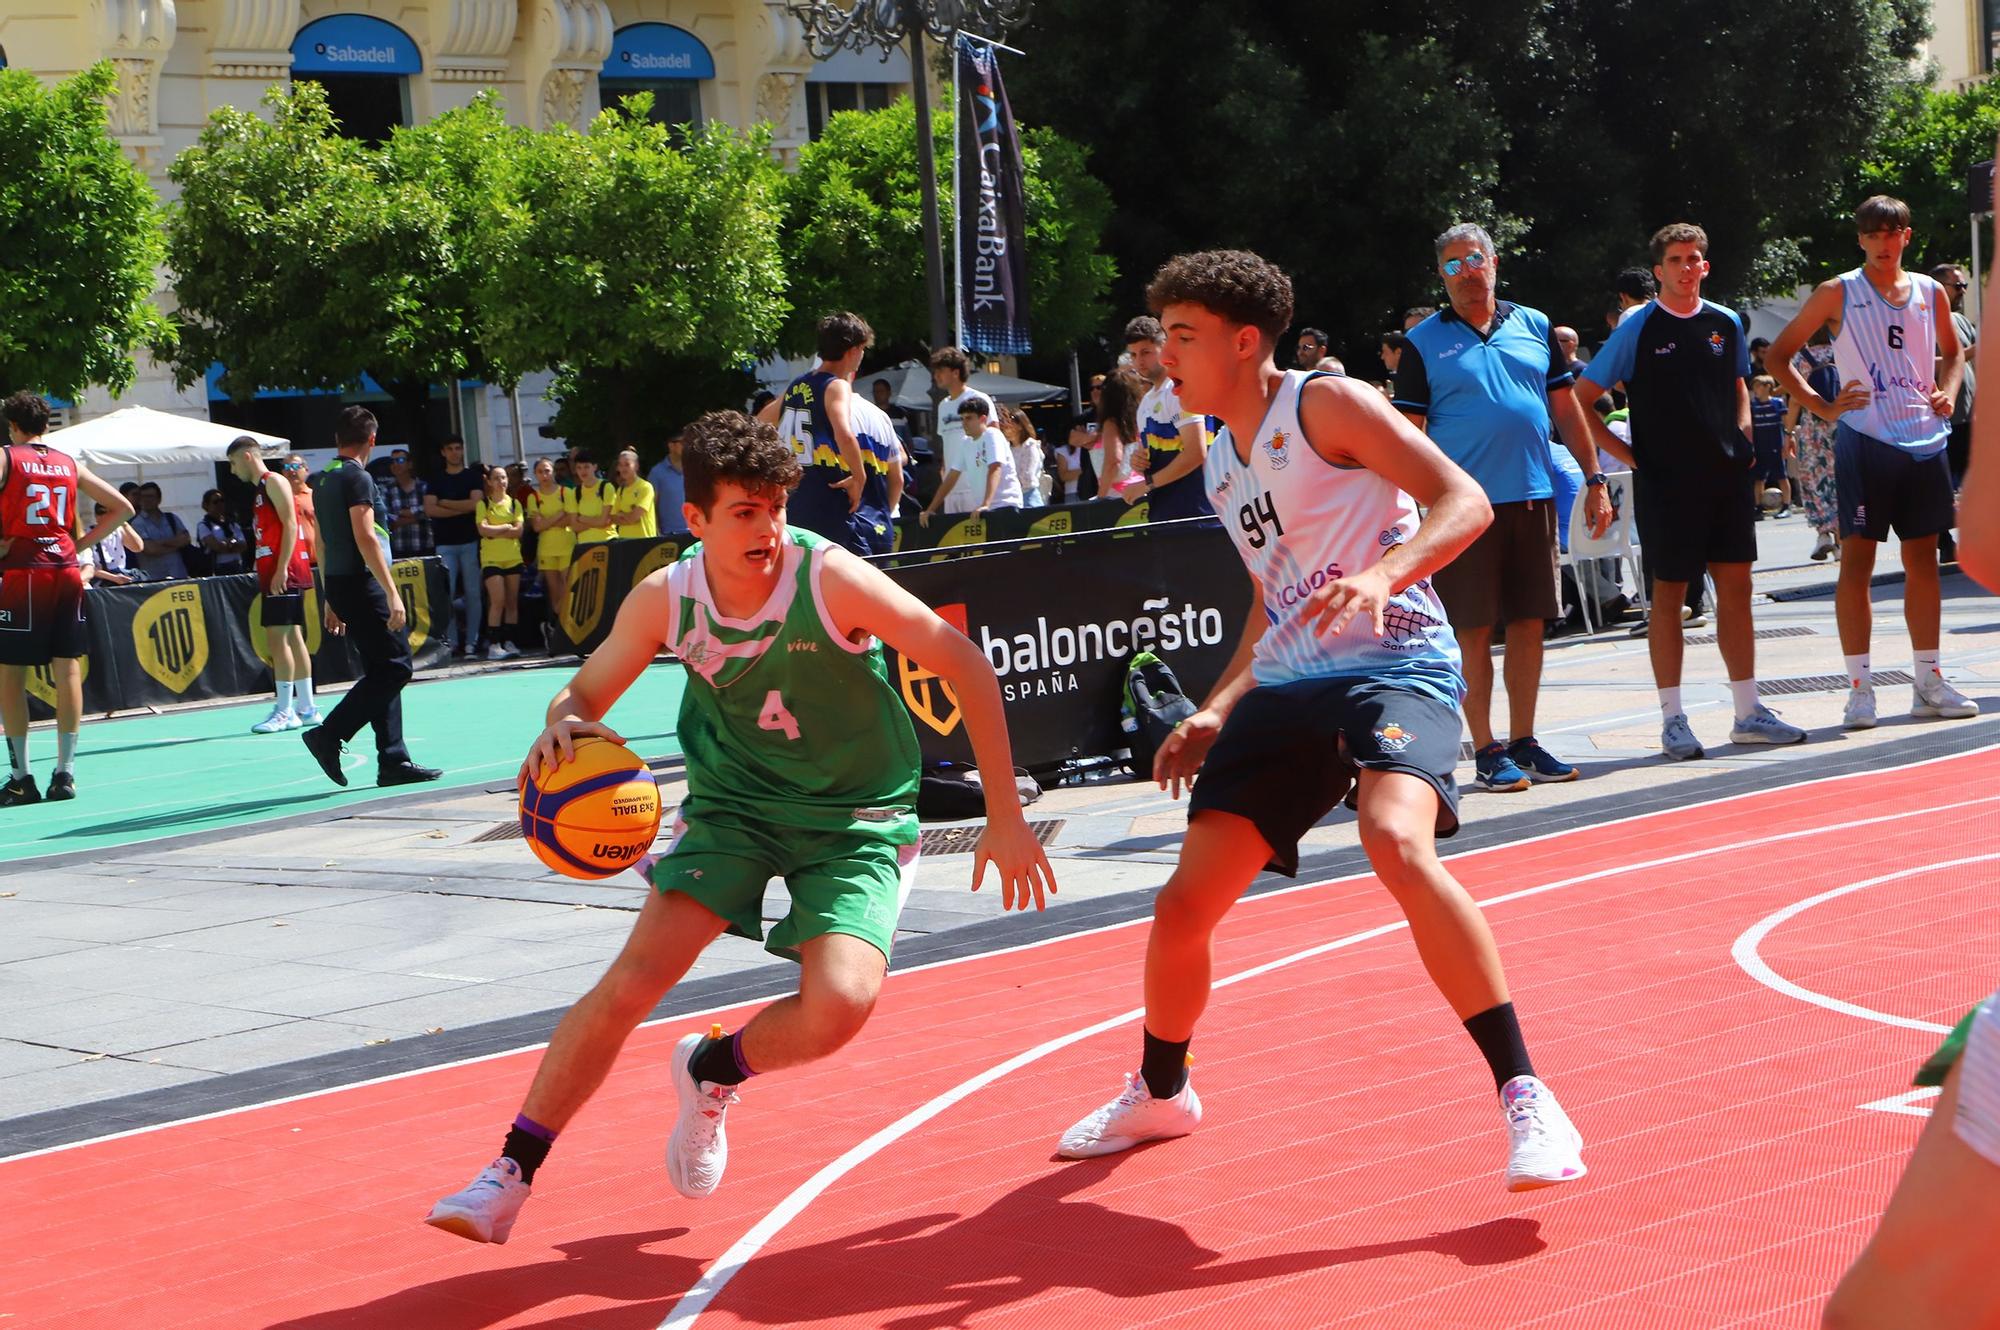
<point>284,573</point>
<point>41,588</point>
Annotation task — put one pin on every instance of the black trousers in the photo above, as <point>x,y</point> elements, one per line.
<point>377,696</point>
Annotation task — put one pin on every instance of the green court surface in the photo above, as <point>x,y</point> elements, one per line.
<point>142,778</point>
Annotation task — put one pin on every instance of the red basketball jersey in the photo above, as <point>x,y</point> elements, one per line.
<point>270,536</point>
<point>38,507</point>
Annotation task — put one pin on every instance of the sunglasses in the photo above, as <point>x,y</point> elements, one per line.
<point>1475,261</point>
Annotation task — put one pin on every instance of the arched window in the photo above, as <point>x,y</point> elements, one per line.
<point>669,62</point>
<point>364,64</point>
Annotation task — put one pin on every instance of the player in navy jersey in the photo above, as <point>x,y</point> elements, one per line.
<point>1900,361</point>
<point>815,415</point>
<point>1347,674</point>
<point>1683,363</point>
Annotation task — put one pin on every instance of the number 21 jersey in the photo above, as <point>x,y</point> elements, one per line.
<point>1299,523</point>
<point>37,506</point>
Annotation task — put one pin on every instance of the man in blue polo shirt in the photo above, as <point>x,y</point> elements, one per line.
<point>1484,377</point>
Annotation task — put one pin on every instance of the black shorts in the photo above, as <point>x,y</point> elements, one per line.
<point>41,616</point>
<point>1770,465</point>
<point>1690,518</point>
<point>1511,572</point>
<point>288,610</point>
<point>515,571</point>
<point>1288,753</point>
<point>1880,485</point>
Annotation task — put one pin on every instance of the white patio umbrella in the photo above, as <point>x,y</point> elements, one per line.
<point>141,436</point>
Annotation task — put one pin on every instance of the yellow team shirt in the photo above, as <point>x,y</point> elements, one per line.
<point>638,494</point>
<point>552,547</point>
<point>594,502</point>
<point>501,553</point>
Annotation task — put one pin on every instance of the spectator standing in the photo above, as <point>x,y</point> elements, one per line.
<point>1767,436</point>
<point>1311,348</point>
<point>632,509</point>
<point>283,575</point>
<point>1176,441</point>
<point>1485,378</point>
<point>669,487</point>
<point>815,415</point>
<point>986,478</point>
<point>1957,452</point>
<point>364,605</point>
<point>951,370</point>
<point>1392,352</point>
<point>589,502</point>
<point>1809,445</point>
<point>1632,289</point>
<point>300,479</point>
<point>1026,446</point>
<point>409,523</point>
<point>109,562</point>
<point>1075,479</point>
<point>547,512</point>
<point>1117,402</point>
<point>501,522</point>
<point>1683,363</point>
<point>883,472</point>
<point>221,539</point>
<point>452,496</point>
<point>165,536</point>
<point>1897,350</point>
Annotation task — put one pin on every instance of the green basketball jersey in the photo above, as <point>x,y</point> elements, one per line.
<point>783,719</point>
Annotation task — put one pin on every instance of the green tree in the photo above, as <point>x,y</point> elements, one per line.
<point>634,268</point>
<point>1929,144</point>
<point>79,240</point>
<point>302,261</point>
<point>1338,138</point>
<point>853,230</point>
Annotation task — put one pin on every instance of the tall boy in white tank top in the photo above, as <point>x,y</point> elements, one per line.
<point>1900,362</point>
<point>1346,673</point>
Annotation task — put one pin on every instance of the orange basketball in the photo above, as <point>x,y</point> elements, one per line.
<point>593,815</point>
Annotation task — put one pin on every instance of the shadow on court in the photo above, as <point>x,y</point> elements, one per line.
<point>180,817</point>
<point>925,1272</point>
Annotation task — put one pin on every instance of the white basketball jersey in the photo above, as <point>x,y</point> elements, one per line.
<point>1299,522</point>
<point>1892,350</point>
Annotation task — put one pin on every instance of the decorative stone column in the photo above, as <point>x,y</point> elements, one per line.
<point>252,39</point>
<point>135,35</point>
<point>786,62</point>
<point>567,47</point>
<point>470,40</point>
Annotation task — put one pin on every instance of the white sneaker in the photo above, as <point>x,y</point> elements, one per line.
<point>509,649</point>
<point>1824,546</point>
<point>279,720</point>
<point>1677,739</point>
<point>485,1211</point>
<point>1133,1117</point>
<point>1543,1145</point>
<point>698,1150</point>
<point>1762,726</point>
<point>1933,697</point>
<point>1860,712</point>
<point>308,715</point>
<point>494,651</point>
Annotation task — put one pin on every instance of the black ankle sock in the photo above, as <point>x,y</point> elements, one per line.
<point>526,1149</point>
<point>719,1060</point>
<point>1498,1035</point>
<point>1164,1066</point>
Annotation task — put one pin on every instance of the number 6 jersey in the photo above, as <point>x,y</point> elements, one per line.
<point>38,507</point>
<point>1300,523</point>
<point>1892,349</point>
<point>784,721</point>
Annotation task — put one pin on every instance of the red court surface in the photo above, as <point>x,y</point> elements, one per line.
<point>1348,1172</point>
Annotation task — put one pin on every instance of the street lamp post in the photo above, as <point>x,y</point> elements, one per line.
<point>857,25</point>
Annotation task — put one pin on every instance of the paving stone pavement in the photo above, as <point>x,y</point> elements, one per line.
<point>158,967</point>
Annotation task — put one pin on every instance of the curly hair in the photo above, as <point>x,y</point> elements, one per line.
<point>728,445</point>
<point>27,412</point>
<point>1234,283</point>
<point>1145,328</point>
<point>950,357</point>
<point>1678,233</point>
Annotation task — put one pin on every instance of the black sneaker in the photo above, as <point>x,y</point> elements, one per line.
<point>20,790</point>
<point>326,751</point>
<point>406,773</point>
<point>62,785</point>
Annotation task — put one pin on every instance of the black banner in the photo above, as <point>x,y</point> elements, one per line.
<point>1057,617</point>
<point>989,210</point>
<point>158,643</point>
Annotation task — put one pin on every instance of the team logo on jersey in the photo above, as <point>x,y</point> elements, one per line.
<point>1407,624</point>
<point>1394,738</point>
<point>1391,538</point>
<point>1716,343</point>
<point>1278,449</point>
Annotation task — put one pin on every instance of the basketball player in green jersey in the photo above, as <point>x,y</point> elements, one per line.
<point>801,765</point>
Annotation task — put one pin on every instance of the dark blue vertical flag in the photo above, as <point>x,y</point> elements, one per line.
<point>992,219</point>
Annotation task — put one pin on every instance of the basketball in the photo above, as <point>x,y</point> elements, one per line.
<point>1774,499</point>
<point>593,815</point>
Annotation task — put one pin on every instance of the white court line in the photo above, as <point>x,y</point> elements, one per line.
<point>1745,949</point>
<point>1006,951</point>
<point>1906,1102</point>
<point>732,1261</point>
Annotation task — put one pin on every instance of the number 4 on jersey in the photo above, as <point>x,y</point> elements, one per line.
<point>776,717</point>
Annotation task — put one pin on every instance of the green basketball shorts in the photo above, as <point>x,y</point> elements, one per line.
<point>838,881</point>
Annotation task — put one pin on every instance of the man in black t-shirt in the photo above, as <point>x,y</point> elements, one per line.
<point>1683,363</point>
<point>450,500</point>
<point>362,602</point>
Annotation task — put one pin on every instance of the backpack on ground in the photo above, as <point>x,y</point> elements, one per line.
<point>1152,705</point>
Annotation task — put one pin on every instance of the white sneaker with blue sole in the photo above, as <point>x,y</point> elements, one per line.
<point>1762,726</point>
<point>486,1210</point>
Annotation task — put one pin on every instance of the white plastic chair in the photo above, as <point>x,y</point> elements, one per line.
<point>1615,543</point>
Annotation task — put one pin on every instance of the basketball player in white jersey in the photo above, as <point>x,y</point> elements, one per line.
<point>1900,362</point>
<point>1347,672</point>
